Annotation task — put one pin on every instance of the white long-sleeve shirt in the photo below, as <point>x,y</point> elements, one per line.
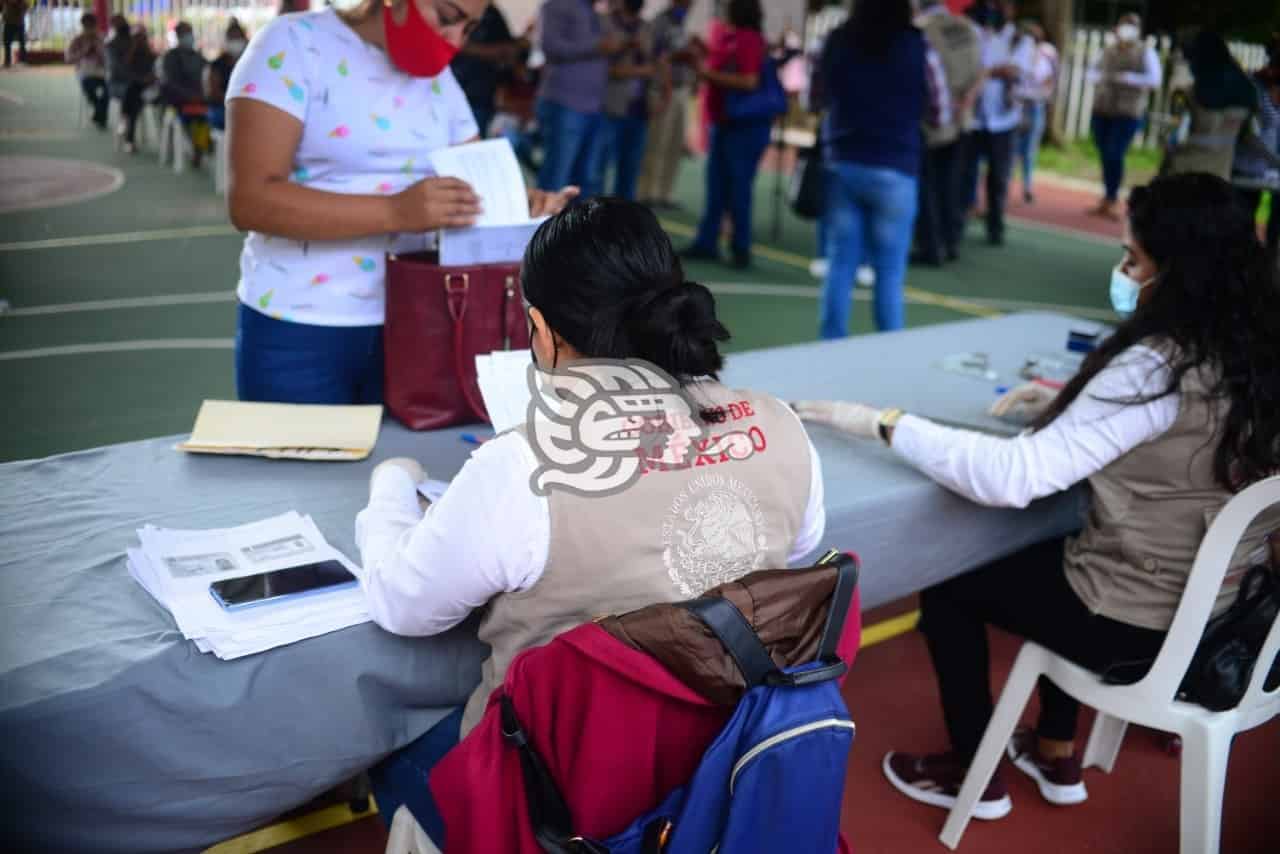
<point>1096,429</point>
<point>489,534</point>
<point>1149,77</point>
<point>997,110</point>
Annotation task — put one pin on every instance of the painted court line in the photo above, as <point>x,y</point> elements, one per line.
<point>123,347</point>
<point>805,292</point>
<point>120,237</point>
<point>124,302</point>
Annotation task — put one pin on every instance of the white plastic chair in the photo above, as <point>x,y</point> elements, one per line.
<point>1206,735</point>
<point>407,836</point>
<point>115,119</point>
<point>148,132</point>
<point>175,146</point>
<point>219,140</point>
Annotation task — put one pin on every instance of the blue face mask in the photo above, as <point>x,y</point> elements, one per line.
<point>678,13</point>
<point>1124,292</point>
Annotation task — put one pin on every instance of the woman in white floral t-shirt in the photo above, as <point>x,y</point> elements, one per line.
<point>332,116</point>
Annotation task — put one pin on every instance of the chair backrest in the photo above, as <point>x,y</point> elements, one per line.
<point>1213,559</point>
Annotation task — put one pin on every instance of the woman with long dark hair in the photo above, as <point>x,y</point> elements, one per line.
<point>733,64</point>
<point>1174,413</point>
<point>875,73</point>
<point>602,283</point>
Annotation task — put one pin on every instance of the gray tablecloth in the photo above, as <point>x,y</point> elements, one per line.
<point>117,735</point>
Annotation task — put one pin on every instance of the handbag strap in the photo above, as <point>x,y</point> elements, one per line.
<point>548,813</point>
<point>456,300</point>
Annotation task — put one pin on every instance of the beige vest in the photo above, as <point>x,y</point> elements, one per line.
<point>959,47</point>
<point>1151,508</point>
<point>670,536</point>
<point>1211,145</point>
<point>1117,99</point>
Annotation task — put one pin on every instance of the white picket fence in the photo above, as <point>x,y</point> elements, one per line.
<point>1074,102</point>
<point>51,24</point>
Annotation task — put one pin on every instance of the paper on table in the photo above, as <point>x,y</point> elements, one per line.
<point>504,229</point>
<point>285,430</point>
<point>504,385</point>
<point>176,567</point>
<point>433,490</point>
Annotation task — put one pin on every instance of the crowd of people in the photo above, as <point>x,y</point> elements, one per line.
<point>332,112</point>
<point>125,67</point>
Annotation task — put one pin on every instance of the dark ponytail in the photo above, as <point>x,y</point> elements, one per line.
<point>605,277</point>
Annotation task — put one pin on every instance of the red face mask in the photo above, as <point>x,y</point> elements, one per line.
<point>414,46</point>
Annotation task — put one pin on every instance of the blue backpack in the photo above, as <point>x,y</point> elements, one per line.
<point>773,779</point>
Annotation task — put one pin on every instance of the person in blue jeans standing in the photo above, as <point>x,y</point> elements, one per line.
<point>1125,76</point>
<point>733,64</point>
<point>626,100</point>
<point>570,108</point>
<point>879,79</point>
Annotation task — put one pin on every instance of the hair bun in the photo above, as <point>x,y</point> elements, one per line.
<point>677,327</point>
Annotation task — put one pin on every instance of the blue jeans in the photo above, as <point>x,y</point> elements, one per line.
<point>283,362</point>
<point>623,149</point>
<point>571,147</point>
<point>823,238</point>
<point>732,163</point>
<point>1113,135</point>
<point>1029,141</point>
<point>401,778</point>
<point>870,214</point>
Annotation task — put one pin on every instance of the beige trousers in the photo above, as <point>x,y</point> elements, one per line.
<point>664,150</point>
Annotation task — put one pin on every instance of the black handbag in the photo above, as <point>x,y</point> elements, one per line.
<point>1223,662</point>
<point>806,193</point>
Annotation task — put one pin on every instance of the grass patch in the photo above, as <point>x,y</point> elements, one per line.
<point>1079,159</point>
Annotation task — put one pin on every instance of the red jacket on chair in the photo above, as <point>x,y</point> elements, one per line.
<point>617,730</point>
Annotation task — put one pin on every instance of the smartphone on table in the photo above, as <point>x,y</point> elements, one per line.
<point>247,591</point>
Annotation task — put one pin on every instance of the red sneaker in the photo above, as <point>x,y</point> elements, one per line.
<point>1059,779</point>
<point>936,780</point>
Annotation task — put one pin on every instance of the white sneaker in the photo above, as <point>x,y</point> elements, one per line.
<point>818,268</point>
<point>866,277</point>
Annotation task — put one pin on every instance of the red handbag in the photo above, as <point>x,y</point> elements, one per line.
<point>438,320</point>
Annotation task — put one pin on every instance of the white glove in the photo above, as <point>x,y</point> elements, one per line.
<point>856,419</point>
<point>409,466</point>
<point>1028,399</point>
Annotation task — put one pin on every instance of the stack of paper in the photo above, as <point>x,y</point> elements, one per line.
<point>503,377</point>
<point>285,430</point>
<point>503,230</point>
<point>177,567</point>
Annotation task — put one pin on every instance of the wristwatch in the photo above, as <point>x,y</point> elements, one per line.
<point>888,419</point>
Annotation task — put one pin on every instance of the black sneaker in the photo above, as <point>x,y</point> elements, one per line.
<point>936,780</point>
<point>1060,780</point>
<point>740,261</point>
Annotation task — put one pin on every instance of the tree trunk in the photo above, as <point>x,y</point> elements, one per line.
<point>1059,18</point>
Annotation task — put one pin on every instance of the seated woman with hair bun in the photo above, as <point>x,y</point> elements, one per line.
<point>612,530</point>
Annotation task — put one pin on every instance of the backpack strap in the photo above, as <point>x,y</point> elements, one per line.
<point>548,813</point>
<point>735,633</point>
<point>846,566</point>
